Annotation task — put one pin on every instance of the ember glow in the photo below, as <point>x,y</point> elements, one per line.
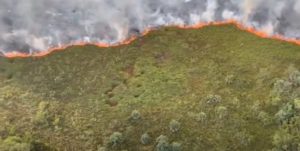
<point>36,28</point>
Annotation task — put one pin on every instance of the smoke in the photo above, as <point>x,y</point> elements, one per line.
<point>31,26</point>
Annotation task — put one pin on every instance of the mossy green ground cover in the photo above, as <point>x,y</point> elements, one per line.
<point>217,83</point>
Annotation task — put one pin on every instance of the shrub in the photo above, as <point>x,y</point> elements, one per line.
<point>145,139</point>
<point>13,143</point>
<point>282,140</point>
<point>175,146</point>
<point>281,87</point>
<point>285,113</point>
<point>201,117</point>
<point>213,99</point>
<point>116,139</point>
<point>163,146</point>
<point>264,118</point>
<point>244,138</point>
<point>162,138</point>
<point>297,104</point>
<point>294,78</point>
<point>229,79</point>
<point>174,126</point>
<point>222,112</point>
<point>135,115</point>
<point>162,143</point>
<point>42,115</point>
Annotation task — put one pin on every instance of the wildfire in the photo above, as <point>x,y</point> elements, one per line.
<point>252,30</point>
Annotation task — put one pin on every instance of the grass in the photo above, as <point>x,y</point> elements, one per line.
<point>75,99</point>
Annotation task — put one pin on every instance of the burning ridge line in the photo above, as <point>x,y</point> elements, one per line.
<point>16,54</point>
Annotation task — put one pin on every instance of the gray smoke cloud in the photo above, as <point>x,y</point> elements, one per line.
<point>31,26</point>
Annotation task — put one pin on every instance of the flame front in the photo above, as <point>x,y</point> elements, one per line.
<point>261,34</point>
<point>36,28</point>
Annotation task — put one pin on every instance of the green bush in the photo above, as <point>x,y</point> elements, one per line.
<point>213,99</point>
<point>175,146</point>
<point>282,140</point>
<point>42,116</point>
<point>116,139</point>
<point>285,113</point>
<point>174,126</point>
<point>14,143</point>
<point>145,139</point>
<point>135,115</point>
<point>294,77</point>
<point>162,143</point>
<point>222,112</point>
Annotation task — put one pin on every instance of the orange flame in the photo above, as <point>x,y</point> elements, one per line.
<point>252,30</point>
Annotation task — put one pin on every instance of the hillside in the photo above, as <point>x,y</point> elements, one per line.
<point>215,88</point>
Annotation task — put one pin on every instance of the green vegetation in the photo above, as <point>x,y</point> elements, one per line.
<point>174,126</point>
<point>14,143</point>
<point>213,89</point>
<point>116,139</point>
<point>146,139</point>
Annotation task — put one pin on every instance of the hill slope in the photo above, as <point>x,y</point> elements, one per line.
<point>220,86</point>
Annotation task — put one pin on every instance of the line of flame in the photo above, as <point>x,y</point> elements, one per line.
<point>252,30</point>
